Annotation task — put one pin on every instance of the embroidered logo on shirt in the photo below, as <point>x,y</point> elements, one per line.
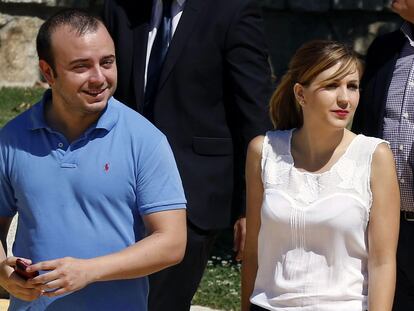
<point>106,167</point>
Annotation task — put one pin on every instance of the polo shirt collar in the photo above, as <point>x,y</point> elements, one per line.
<point>106,121</point>
<point>37,117</point>
<point>109,116</point>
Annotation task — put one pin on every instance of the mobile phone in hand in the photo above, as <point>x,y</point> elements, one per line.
<point>20,269</point>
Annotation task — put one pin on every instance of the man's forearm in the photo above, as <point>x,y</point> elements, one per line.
<point>163,247</point>
<point>147,256</point>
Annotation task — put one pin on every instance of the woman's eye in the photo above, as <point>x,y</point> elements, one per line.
<point>331,86</point>
<point>353,87</point>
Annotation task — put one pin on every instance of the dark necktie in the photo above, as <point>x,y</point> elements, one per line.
<point>157,57</point>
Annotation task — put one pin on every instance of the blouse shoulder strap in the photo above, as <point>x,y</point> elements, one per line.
<point>276,143</point>
<point>360,154</point>
<point>363,149</point>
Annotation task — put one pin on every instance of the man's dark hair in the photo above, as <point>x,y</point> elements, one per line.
<point>79,21</point>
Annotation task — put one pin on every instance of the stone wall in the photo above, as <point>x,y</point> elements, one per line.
<point>288,23</point>
<point>286,30</point>
<point>19,23</point>
<point>18,58</point>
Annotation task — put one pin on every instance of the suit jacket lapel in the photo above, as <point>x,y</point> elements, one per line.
<point>139,60</point>
<point>181,34</point>
<point>133,56</point>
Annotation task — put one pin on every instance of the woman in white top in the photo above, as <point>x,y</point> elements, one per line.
<point>322,202</point>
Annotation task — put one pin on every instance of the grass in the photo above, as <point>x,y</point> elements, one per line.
<point>15,100</point>
<point>220,286</point>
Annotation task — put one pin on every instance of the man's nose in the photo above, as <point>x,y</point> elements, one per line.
<point>97,75</point>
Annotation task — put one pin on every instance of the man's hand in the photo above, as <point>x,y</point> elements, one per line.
<point>65,275</point>
<point>239,237</point>
<point>14,284</point>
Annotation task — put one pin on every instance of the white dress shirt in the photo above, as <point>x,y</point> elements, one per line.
<point>177,7</point>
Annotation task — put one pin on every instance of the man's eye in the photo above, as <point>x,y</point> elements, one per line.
<point>80,67</point>
<point>107,63</point>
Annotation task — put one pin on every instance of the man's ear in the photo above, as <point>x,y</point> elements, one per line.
<point>47,72</point>
<point>298,90</point>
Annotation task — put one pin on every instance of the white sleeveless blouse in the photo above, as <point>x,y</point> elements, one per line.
<point>312,244</point>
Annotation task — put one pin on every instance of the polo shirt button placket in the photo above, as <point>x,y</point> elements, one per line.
<point>60,149</point>
<point>68,160</point>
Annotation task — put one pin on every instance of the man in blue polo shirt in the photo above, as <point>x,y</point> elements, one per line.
<point>99,197</point>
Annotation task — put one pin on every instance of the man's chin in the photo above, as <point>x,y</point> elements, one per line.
<point>92,107</point>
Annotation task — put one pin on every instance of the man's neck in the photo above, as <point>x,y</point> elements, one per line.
<point>72,126</point>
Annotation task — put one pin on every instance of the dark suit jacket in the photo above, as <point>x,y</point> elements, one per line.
<point>212,97</point>
<point>381,58</point>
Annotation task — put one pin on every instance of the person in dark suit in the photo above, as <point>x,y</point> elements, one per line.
<point>386,110</point>
<point>207,89</point>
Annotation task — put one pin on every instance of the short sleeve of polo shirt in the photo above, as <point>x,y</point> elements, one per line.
<point>7,201</point>
<point>159,185</point>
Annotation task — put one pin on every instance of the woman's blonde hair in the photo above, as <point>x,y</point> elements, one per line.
<point>307,63</point>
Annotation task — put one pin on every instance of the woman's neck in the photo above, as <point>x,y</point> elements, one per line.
<point>314,149</point>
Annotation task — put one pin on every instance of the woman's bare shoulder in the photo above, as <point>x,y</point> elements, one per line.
<point>256,145</point>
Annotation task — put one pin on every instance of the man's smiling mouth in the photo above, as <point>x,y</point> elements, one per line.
<point>95,92</point>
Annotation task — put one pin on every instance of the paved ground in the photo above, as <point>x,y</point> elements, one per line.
<point>4,303</point>
<point>10,236</point>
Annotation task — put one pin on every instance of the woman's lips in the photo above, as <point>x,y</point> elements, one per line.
<point>341,113</point>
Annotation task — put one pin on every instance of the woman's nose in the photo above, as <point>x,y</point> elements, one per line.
<point>343,99</point>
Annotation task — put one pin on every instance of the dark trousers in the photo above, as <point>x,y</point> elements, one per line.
<point>256,308</point>
<point>173,288</point>
<point>404,291</point>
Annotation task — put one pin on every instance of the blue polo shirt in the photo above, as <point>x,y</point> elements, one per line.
<point>86,198</point>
